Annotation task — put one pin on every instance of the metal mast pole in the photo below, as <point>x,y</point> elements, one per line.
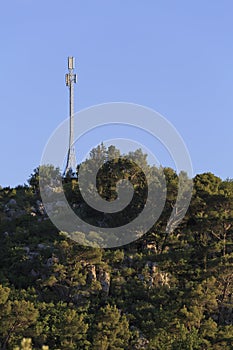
<point>71,78</point>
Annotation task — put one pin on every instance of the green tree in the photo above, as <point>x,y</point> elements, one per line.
<point>16,317</point>
<point>111,330</point>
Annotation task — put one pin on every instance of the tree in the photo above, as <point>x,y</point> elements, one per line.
<point>111,331</point>
<point>16,317</point>
<point>26,344</point>
<point>47,174</point>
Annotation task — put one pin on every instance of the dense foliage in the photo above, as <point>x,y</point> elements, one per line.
<point>163,292</point>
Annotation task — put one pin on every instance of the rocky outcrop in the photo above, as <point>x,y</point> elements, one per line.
<point>153,276</point>
<point>104,279</point>
<point>12,202</point>
<point>12,210</point>
<point>97,274</point>
<point>91,274</point>
<point>40,208</point>
<point>51,261</point>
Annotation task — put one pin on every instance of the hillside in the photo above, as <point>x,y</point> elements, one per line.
<point>164,291</point>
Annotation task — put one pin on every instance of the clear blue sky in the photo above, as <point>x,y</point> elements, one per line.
<point>173,56</point>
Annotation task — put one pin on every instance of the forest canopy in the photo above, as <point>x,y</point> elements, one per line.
<point>166,290</point>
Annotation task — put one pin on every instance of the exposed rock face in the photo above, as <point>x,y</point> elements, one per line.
<point>91,275</point>
<point>27,249</point>
<point>156,276</point>
<point>104,278</point>
<point>162,278</point>
<point>40,207</point>
<point>12,202</point>
<point>43,246</point>
<point>94,273</point>
<point>33,255</point>
<point>14,213</point>
<point>51,261</point>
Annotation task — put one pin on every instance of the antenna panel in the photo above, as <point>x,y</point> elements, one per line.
<point>67,79</point>
<point>70,62</point>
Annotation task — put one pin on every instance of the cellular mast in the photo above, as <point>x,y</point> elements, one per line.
<point>71,78</point>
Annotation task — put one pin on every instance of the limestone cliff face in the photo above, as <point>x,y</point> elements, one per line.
<point>98,274</point>
<point>91,274</point>
<point>104,278</point>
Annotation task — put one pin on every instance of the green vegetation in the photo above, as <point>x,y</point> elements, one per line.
<point>162,292</point>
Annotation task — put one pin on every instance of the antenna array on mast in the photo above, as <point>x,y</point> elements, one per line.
<point>70,79</point>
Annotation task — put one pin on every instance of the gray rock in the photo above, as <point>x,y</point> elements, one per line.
<point>140,277</point>
<point>104,279</point>
<point>27,249</point>
<point>32,255</point>
<point>91,275</point>
<point>14,213</point>
<point>12,202</point>
<point>41,246</point>
<point>51,261</point>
